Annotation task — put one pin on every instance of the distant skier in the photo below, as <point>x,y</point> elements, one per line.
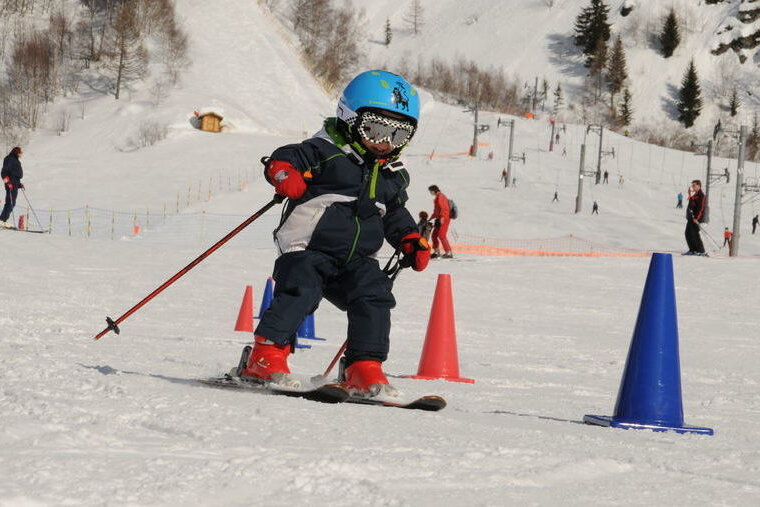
<point>504,178</point>
<point>11,175</point>
<point>727,235</point>
<point>346,189</point>
<point>441,217</point>
<point>606,179</point>
<point>694,215</point>
<point>556,196</point>
<point>754,223</point>
<point>595,208</point>
<point>679,200</point>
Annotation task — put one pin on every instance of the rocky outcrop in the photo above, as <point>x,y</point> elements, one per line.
<point>746,38</point>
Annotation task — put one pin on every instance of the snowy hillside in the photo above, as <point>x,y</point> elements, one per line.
<point>121,421</point>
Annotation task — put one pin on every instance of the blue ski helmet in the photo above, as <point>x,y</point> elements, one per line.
<point>379,89</point>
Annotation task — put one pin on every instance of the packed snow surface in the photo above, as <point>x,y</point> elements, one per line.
<point>121,421</point>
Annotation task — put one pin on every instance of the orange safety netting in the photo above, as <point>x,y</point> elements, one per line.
<point>565,246</point>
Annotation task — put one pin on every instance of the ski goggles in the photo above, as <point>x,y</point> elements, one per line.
<point>377,128</point>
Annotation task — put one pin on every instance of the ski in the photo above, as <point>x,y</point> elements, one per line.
<point>431,403</point>
<point>21,230</point>
<point>327,393</point>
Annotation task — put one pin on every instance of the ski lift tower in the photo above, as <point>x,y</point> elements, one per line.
<point>740,135</point>
<point>478,128</point>
<point>600,129</point>
<point>582,169</point>
<point>510,157</point>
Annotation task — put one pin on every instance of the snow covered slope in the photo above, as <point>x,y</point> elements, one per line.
<point>120,421</point>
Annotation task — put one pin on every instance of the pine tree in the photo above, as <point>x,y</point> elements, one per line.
<point>626,109</point>
<point>591,25</point>
<point>544,92</point>
<point>558,100</point>
<point>598,64</point>
<point>582,22</point>
<point>734,103</point>
<point>388,32</point>
<point>617,72</point>
<point>689,97</point>
<point>670,36</point>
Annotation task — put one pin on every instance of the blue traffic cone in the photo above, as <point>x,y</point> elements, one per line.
<point>266,302</point>
<point>266,299</point>
<point>650,391</point>
<point>306,329</point>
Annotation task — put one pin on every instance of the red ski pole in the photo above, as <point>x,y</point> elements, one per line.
<point>113,325</point>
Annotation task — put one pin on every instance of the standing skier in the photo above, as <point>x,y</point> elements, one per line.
<point>694,212</point>
<point>679,200</point>
<point>11,175</point>
<point>346,188</point>
<point>755,220</point>
<point>442,218</point>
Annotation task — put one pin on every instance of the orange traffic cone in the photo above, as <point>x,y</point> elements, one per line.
<point>245,315</point>
<point>440,359</point>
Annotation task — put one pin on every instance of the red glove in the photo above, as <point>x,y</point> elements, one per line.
<point>287,180</point>
<point>416,251</point>
<point>7,181</point>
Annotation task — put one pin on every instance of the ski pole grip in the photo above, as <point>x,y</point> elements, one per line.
<point>112,325</point>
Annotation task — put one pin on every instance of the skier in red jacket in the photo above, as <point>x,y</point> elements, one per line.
<point>441,217</point>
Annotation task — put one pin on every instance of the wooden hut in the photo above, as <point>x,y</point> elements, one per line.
<point>210,122</point>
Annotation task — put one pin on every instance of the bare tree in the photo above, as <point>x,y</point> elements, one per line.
<point>413,17</point>
<point>61,32</point>
<point>308,18</point>
<point>128,56</point>
<point>341,51</point>
<point>30,75</point>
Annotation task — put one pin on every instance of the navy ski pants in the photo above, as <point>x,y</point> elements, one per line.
<point>10,202</point>
<point>359,288</point>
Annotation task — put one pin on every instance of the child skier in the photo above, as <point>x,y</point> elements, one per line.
<point>424,225</point>
<point>347,189</point>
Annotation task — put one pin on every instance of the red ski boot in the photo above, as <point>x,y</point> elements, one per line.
<point>268,361</point>
<point>367,377</point>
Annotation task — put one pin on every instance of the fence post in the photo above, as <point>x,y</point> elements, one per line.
<point>50,224</point>
<point>68,216</point>
<point>88,223</point>
<point>113,223</point>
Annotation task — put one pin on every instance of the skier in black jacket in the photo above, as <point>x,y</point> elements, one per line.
<point>11,175</point>
<point>694,215</point>
<point>347,189</point>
